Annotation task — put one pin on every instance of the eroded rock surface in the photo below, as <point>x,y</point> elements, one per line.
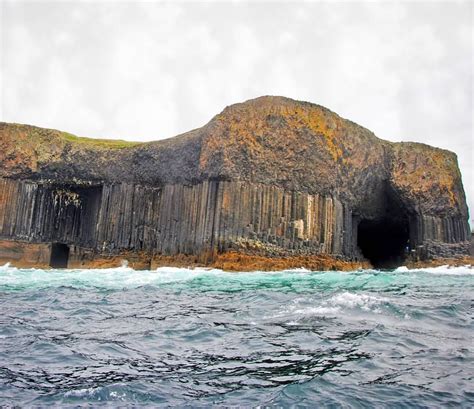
<point>292,178</point>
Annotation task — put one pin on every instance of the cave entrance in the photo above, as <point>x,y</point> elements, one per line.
<point>74,212</point>
<point>383,241</point>
<point>59,255</point>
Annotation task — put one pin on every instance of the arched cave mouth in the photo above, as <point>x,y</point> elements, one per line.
<point>383,242</point>
<point>59,255</point>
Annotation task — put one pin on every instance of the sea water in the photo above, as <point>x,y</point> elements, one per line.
<point>201,337</point>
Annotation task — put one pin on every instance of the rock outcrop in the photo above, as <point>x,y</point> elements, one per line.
<point>270,178</point>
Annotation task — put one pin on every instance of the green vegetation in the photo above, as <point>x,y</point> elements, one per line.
<point>99,143</point>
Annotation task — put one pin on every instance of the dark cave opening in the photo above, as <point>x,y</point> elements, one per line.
<point>59,255</point>
<point>384,242</point>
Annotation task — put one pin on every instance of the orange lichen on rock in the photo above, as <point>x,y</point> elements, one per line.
<point>290,176</point>
<point>438,262</point>
<point>427,173</point>
<point>234,261</point>
<point>27,255</point>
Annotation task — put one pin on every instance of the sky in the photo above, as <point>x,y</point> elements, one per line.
<point>140,70</point>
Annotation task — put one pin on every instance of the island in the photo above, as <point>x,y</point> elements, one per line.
<point>270,183</point>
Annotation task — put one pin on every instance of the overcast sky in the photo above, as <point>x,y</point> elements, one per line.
<point>151,70</point>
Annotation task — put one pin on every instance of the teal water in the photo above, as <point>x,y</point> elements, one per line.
<point>200,338</point>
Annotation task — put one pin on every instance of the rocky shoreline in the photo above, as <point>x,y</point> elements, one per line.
<point>269,183</point>
<point>33,255</point>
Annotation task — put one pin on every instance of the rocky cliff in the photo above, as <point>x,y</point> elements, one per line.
<point>270,178</point>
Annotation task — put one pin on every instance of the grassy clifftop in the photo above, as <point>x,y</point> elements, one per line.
<point>99,143</point>
<point>32,135</point>
<point>30,151</point>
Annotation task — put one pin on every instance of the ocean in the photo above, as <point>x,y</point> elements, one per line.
<point>202,337</point>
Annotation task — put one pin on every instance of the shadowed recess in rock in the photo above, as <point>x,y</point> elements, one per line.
<point>384,242</point>
<point>385,239</point>
<point>59,255</point>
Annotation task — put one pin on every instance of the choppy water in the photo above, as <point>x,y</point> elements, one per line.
<point>205,337</point>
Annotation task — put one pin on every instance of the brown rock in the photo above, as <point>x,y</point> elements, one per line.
<point>271,178</point>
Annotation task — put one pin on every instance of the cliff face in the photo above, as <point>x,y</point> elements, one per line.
<point>270,177</point>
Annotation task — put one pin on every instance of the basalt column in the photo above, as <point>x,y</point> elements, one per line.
<point>267,178</point>
<point>219,215</point>
<point>62,213</point>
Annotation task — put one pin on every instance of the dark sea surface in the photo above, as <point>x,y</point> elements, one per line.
<point>200,338</point>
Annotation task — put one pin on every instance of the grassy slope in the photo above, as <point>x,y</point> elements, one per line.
<point>99,143</point>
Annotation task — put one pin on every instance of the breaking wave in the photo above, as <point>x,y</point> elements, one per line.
<point>441,270</point>
<point>126,277</point>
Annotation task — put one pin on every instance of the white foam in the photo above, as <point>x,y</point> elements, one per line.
<point>114,278</point>
<point>441,270</point>
<point>299,270</point>
<point>318,311</point>
<point>353,300</point>
<point>80,393</point>
<point>335,305</point>
<point>98,393</point>
<point>127,277</point>
<point>192,271</point>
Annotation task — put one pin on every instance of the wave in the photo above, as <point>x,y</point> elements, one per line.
<point>441,270</point>
<point>341,301</point>
<point>113,278</point>
<point>105,393</point>
<point>351,300</point>
<point>12,278</point>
